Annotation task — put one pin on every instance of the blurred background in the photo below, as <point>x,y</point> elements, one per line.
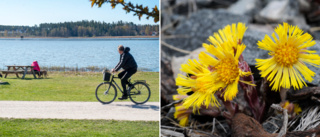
<point>186,24</point>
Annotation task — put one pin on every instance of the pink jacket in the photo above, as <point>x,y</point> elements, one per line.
<point>36,66</point>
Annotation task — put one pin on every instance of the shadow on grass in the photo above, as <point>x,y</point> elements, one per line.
<point>142,106</point>
<point>27,78</point>
<point>4,83</point>
<point>10,78</point>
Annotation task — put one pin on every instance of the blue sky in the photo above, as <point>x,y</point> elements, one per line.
<point>34,12</point>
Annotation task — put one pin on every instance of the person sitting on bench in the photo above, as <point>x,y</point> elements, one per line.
<point>36,67</point>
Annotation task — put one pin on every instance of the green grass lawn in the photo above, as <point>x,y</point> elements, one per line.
<point>66,86</point>
<point>71,86</point>
<point>92,128</point>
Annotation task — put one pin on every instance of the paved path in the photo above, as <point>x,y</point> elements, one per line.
<point>80,110</point>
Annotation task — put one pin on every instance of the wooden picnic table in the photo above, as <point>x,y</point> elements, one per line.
<point>15,69</point>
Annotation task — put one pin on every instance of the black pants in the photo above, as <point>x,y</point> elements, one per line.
<point>124,76</point>
<point>37,72</point>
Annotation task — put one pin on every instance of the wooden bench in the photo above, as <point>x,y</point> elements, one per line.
<point>17,72</point>
<point>42,73</point>
<point>16,68</point>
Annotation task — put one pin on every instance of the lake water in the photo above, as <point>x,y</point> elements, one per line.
<point>73,52</point>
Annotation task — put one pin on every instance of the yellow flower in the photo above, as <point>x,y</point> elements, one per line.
<point>296,109</point>
<point>289,55</point>
<point>210,76</point>
<point>230,35</point>
<point>214,73</point>
<point>182,114</point>
<point>192,83</point>
<point>225,72</point>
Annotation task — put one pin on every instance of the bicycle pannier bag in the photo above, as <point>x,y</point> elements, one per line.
<point>106,76</point>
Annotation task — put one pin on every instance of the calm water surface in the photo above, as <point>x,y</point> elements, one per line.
<point>78,52</point>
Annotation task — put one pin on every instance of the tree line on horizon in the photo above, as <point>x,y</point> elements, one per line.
<point>80,29</point>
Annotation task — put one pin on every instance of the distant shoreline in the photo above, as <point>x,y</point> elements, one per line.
<point>100,37</point>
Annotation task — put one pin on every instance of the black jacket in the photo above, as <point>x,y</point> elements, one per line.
<point>126,61</point>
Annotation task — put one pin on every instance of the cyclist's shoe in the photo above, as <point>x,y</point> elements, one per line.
<point>123,98</point>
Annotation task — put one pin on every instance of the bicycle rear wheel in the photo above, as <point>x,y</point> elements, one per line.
<point>106,93</point>
<point>139,93</point>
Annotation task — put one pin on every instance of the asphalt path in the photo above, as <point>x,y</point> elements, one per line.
<point>80,110</point>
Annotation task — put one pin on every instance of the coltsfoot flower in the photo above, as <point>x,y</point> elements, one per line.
<point>288,57</point>
<point>230,35</point>
<point>216,70</point>
<point>292,108</point>
<point>210,76</point>
<point>225,72</point>
<point>203,92</point>
<point>182,114</point>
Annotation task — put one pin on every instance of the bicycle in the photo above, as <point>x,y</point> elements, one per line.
<point>106,92</point>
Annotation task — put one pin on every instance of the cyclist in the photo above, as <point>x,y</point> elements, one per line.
<point>129,65</point>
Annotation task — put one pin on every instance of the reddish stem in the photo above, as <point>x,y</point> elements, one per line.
<point>231,108</point>
<point>251,94</point>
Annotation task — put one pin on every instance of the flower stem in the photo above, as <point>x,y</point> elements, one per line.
<point>251,94</point>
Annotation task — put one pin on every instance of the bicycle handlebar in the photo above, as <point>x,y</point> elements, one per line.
<point>112,73</point>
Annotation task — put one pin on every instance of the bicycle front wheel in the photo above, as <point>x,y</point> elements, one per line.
<point>139,93</point>
<point>106,93</point>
